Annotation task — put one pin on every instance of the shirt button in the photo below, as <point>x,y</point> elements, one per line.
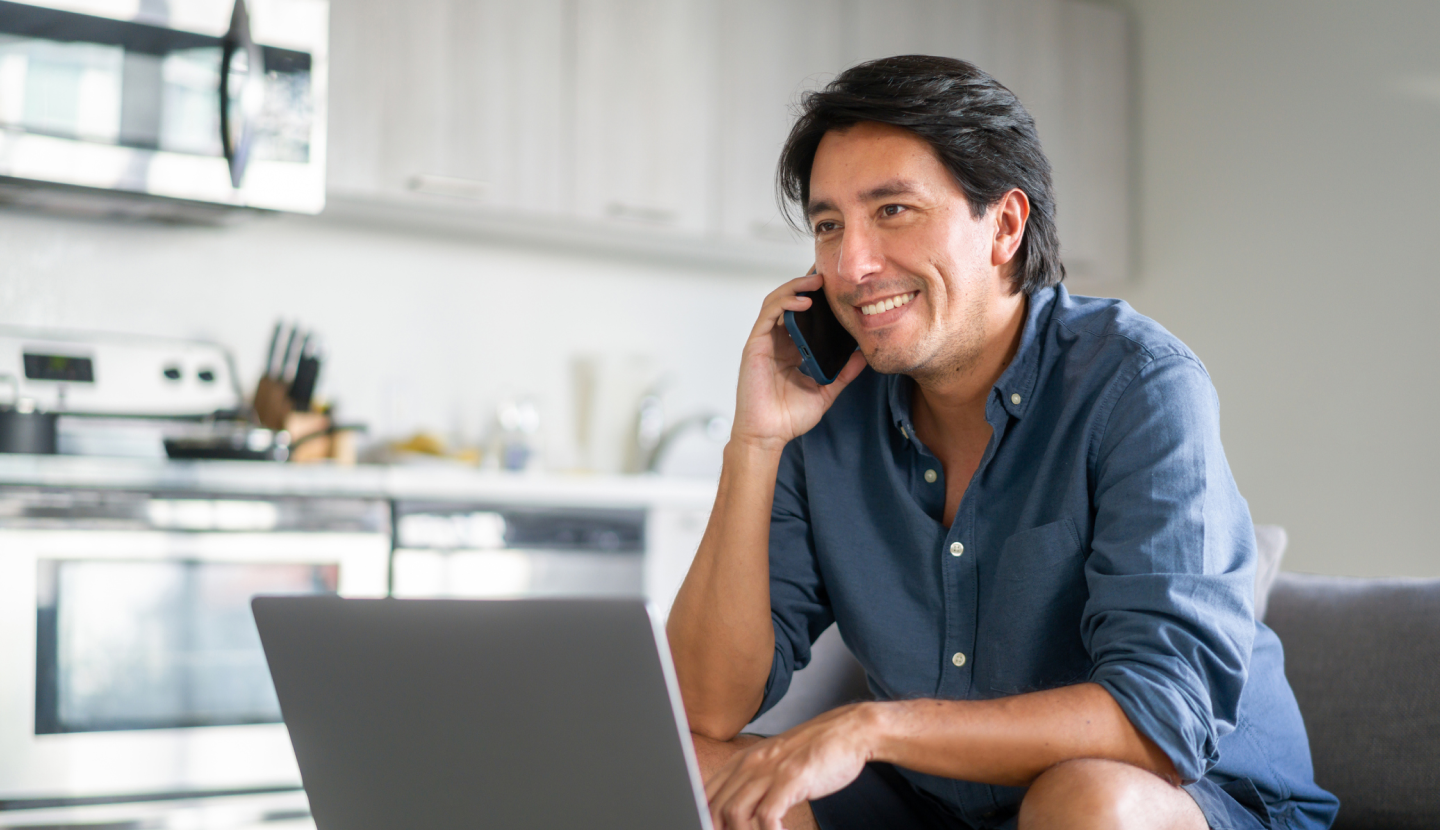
<point>958,659</point>
<point>1015,398</point>
<point>956,549</point>
<point>930,476</point>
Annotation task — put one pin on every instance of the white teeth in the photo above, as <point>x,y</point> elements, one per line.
<point>886,305</point>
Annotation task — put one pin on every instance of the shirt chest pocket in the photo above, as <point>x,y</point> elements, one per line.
<point>1030,612</point>
<point>1033,556</point>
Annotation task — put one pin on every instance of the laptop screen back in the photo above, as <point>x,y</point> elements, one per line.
<point>442,715</point>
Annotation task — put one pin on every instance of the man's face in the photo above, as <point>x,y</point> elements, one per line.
<point>908,270</point>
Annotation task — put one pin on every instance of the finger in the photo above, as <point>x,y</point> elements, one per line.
<point>772,311</point>
<point>782,794</point>
<point>743,768</point>
<point>724,794</point>
<point>723,775</point>
<point>770,812</point>
<point>795,303</point>
<point>810,282</point>
<point>738,808</point>
<point>717,779</point>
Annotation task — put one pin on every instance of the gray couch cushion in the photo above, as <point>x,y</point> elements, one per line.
<point>1363,656</point>
<point>832,678</point>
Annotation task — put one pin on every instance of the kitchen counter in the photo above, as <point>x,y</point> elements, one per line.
<point>439,482</point>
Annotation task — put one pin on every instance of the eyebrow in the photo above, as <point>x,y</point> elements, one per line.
<point>894,187</point>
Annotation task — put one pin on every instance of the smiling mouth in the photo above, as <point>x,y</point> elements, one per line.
<point>882,306</point>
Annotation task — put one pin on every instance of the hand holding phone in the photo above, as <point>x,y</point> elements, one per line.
<point>825,346</point>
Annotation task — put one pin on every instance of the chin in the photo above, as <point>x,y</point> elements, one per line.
<point>889,362</point>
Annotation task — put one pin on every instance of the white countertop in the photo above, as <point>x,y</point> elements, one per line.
<point>440,482</point>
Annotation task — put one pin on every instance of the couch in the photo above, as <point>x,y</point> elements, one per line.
<point>1363,656</point>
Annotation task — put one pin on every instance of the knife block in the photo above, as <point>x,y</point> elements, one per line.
<point>310,436</point>
<point>272,403</point>
<point>314,437</point>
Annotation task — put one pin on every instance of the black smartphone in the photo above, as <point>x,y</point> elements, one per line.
<point>825,346</point>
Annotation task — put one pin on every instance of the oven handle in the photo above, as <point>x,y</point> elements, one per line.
<point>237,123</point>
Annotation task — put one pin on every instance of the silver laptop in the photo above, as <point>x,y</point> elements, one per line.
<point>461,715</point>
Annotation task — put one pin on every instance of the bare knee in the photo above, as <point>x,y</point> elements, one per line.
<point>712,754</point>
<point>1092,793</point>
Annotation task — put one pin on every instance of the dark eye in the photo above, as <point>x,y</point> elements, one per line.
<point>892,210</point>
<point>824,227</point>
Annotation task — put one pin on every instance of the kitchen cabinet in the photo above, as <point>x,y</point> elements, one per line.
<point>654,126</point>
<point>1068,61</point>
<point>446,100</point>
<point>772,52</point>
<point>644,92</point>
<point>1092,179</point>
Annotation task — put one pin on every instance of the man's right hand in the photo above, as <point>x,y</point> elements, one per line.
<point>720,631</point>
<point>775,401</point>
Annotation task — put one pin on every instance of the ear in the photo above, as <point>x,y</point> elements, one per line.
<point>1009,215</point>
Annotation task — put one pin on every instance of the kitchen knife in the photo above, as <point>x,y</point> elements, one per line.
<point>274,347</point>
<point>307,372</point>
<point>282,373</point>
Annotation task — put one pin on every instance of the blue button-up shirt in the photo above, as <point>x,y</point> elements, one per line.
<point>1101,539</point>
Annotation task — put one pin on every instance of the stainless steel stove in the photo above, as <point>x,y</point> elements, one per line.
<point>123,395</point>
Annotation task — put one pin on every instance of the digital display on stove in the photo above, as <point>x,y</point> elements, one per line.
<point>59,367</point>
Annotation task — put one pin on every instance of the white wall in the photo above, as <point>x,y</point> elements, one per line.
<point>424,332</point>
<point>1289,173</point>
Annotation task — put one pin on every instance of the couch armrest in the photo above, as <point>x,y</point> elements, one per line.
<point>1363,656</point>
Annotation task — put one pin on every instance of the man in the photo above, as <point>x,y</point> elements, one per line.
<point>1013,502</point>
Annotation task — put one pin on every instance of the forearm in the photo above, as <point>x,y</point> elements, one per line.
<point>1008,741</point>
<point>719,627</point>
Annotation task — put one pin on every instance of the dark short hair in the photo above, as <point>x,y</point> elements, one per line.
<point>978,128</point>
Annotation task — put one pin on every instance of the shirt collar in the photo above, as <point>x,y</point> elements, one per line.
<point>1016,383</point>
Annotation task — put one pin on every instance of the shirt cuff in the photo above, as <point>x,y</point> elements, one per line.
<point>1157,696</point>
<point>780,673</point>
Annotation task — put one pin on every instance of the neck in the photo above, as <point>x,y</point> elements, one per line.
<point>953,399</point>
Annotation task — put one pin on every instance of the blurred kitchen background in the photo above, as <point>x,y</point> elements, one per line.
<point>1281,160</point>
<point>528,240</point>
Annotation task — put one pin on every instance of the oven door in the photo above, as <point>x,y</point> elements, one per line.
<point>211,101</point>
<point>132,665</point>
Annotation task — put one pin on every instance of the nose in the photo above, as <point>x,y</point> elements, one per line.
<point>859,255</point>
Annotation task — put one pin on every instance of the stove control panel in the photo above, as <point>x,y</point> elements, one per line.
<point>118,375</point>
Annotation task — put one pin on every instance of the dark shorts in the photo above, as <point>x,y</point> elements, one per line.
<point>881,797</point>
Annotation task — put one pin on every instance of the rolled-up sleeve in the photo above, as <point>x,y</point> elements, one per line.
<point>1169,621</point>
<point>799,607</point>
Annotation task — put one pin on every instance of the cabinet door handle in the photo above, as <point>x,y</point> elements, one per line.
<point>642,213</point>
<point>452,186</point>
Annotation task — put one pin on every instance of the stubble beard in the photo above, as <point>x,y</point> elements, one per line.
<point>939,355</point>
